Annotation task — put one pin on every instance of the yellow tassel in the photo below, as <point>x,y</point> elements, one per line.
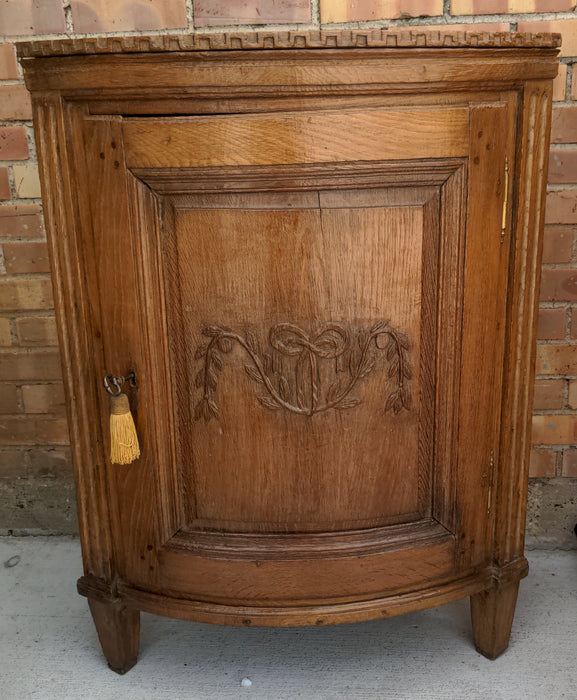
<point>124,447</point>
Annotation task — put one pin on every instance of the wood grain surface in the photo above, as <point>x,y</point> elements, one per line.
<point>309,138</point>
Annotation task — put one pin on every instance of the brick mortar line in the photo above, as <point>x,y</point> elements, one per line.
<point>22,201</point>
<point>24,161</point>
<point>36,414</point>
<point>32,382</point>
<point>10,276</point>
<point>556,447</point>
<point>560,187</point>
<point>502,18</point>
<point>6,349</point>
<point>41,348</point>
<point>11,181</point>
<point>10,448</point>
<point>190,14</point>
<point>558,342</point>
<point>28,350</point>
<point>26,382</point>
<point>557,304</point>
<point>30,200</point>
<point>20,397</point>
<point>559,464</point>
<point>27,276</point>
<point>315,8</point>
<point>36,383</point>
<point>411,23</point>
<point>33,155</point>
<point>38,348</point>
<point>30,313</point>
<point>23,413</point>
<point>568,81</point>
<point>566,306</point>
<point>565,392</point>
<point>19,447</point>
<point>573,227</point>
<point>37,531</point>
<point>18,239</point>
<point>13,331</point>
<point>68,15</point>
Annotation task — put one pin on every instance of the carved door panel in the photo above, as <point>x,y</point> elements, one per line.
<point>314,344</point>
<point>300,316</point>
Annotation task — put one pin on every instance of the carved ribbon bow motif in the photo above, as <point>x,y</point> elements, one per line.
<point>331,342</point>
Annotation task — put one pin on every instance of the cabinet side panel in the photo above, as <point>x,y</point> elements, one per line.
<point>527,228</point>
<point>54,124</point>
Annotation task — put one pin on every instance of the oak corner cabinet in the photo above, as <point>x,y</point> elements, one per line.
<point>319,255</point>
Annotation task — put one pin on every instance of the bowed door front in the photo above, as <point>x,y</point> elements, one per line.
<point>315,321</point>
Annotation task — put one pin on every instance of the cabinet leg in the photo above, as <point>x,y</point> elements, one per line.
<point>492,616</point>
<point>118,630</point>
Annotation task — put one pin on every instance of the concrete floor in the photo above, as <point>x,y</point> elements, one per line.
<point>48,646</point>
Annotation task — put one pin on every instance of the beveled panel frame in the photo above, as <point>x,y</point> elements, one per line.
<point>443,184</point>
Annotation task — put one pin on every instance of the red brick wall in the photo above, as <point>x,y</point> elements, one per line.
<point>33,433</point>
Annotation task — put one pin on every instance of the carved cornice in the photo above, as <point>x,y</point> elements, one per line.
<point>325,39</point>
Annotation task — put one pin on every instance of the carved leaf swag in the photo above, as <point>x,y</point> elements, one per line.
<point>332,342</point>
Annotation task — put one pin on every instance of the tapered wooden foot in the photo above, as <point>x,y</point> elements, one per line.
<point>118,630</point>
<point>492,616</point>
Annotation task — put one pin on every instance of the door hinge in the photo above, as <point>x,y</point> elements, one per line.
<point>491,481</point>
<point>505,200</point>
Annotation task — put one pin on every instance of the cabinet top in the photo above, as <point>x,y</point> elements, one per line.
<point>325,39</point>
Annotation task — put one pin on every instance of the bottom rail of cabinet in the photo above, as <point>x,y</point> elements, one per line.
<point>289,616</point>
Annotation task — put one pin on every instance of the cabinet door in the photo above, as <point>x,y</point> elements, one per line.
<point>313,304</point>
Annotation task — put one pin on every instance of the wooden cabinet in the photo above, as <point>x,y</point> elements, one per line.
<point>318,253</point>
